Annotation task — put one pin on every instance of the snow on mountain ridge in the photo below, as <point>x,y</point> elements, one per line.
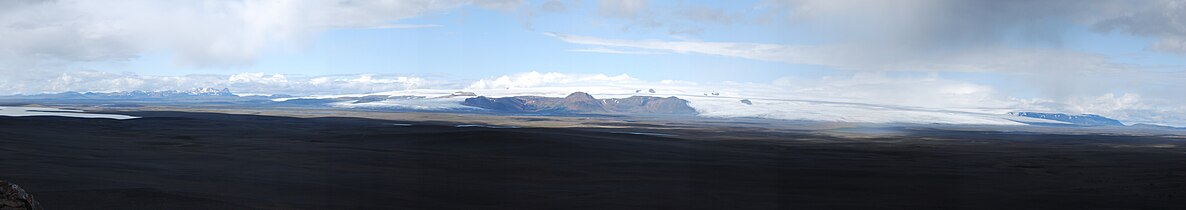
<point>170,93</point>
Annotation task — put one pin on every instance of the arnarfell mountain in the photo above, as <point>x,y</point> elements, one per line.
<point>1080,120</point>
<point>580,102</point>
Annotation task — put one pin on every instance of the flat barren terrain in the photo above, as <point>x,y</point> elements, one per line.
<point>196,160</point>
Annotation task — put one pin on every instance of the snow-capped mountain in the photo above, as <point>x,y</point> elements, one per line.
<point>171,93</point>
<point>211,92</point>
<point>1082,120</point>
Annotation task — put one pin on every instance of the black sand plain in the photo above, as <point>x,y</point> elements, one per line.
<point>193,160</point>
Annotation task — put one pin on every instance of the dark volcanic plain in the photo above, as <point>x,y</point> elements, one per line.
<point>192,160</point>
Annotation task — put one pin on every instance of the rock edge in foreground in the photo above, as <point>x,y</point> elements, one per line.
<point>12,197</point>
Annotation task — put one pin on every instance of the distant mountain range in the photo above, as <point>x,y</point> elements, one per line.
<point>139,94</point>
<point>1081,120</point>
<point>580,102</point>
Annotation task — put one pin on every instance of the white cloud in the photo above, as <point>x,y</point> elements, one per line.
<point>536,79</point>
<point>1107,103</point>
<point>258,77</point>
<point>197,33</point>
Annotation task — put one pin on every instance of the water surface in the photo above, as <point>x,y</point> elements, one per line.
<point>41,111</point>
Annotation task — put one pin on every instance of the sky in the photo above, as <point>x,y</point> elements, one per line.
<point>1120,58</point>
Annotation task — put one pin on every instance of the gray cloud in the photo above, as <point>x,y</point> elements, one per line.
<point>946,26</point>
<point>705,14</point>
<point>1164,20</point>
<point>628,9</point>
<point>553,6</point>
<point>504,5</point>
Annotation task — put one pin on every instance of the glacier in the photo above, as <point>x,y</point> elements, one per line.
<point>709,102</point>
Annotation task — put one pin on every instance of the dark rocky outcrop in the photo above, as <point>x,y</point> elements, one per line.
<point>648,104</point>
<point>510,104</point>
<point>12,197</point>
<point>580,102</point>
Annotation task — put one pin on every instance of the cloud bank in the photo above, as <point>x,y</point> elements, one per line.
<point>243,83</point>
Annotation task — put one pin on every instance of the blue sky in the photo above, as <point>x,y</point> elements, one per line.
<point>476,42</point>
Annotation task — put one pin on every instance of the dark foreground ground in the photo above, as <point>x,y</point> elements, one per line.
<point>177,160</point>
